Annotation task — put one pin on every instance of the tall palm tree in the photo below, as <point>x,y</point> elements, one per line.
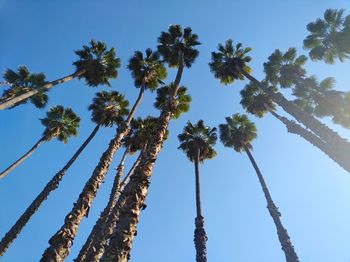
<point>197,142</point>
<point>135,141</point>
<point>177,46</point>
<point>96,65</point>
<point>230,64</point>
<point>329,38</point>
<point>107,109</point>
<point>146,72</point>
<point>59,123</point>
<point>237,133</point>
<point>286,70</point>
<point>21,82</point>
<point>258,103</point>
<point>321,100</point>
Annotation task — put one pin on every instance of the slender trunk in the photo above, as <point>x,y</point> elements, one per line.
<point>136,104</point>
<point>131,171</point>
<point>200,237</point>
<point>22,158</point>
<point>34,206</point>
<point>282,233</point>
<point>15,100</point>
<point>313,139</point>
<point>324,132</point>
<point>99,240</point>
<point>86,251</point>
<point>62,240</point>
<point>133,197</point>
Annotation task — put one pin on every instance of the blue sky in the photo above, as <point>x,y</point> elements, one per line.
<point>312,192</point>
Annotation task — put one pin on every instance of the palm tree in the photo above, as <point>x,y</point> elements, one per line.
<point>59,123</point>
<point>237,133</point>
<point>182,101</point>
<point>21,82</point>
<point>135,141</point>
<point>230,64</point>
<point>321,100</point>
<point>329,38</point>
<point>177,46</point>
<point>147,73</point>
<point>108,109</point>
<point>256,102</point>
<point>197,142</point>
<point>318,99</point>
<point>96,65</point>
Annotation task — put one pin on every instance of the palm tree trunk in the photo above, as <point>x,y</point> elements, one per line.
<point>282,233</point>
<point>22,158</point>
<point>324,132</point>
<point>200,237</point>
<point>86,251</point>
<point>136,104</point>
<point>294,128</point>
<point>34,206</point>
<point>133,197</point>
<point>15,100</point>
<point>131,171</point>
<point>62,240</point>
<point>98,241</point>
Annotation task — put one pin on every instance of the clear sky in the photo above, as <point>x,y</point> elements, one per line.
<point>312,192</point>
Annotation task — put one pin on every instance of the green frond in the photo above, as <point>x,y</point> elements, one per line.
<point>182,101</point>
<point>148,70</point>
<point>60,123</point>
<point>237,132</point>
<point>99,64</point>
<point>198,137</point>
<point>228,61</point>
<point>175,41</point>
<point>109,108</point>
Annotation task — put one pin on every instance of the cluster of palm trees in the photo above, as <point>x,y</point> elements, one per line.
<point>112,236</point>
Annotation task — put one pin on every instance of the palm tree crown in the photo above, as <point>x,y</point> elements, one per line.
<point>237,132</point>
<point>60,123</point>
<point>147,70</point>
<point>141,129</point>
<point>109,108</point>
<point>285,69</point>
<point>23,81</point>
<point>182,102</point>
<point>322,100</point>
<point>178,40</point>
<point>329,38</point>
<point>97,63</point>
<point>255,101</point>
<point>225,63</point>
<point>198,137</point>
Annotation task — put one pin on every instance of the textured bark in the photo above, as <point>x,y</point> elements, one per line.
<point>133,197</point>
<point>282,233</point>
<point>34,206</point>
<point>131,171</point>
<point>62,240</point>
<point>328,135</point>
<point>200,240</point>
<point>22,158</point>
<point>12,102</point>
<point>87,253</point>
<point>295,128</point>
<point>105,229</point>
<point>200,237</point>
